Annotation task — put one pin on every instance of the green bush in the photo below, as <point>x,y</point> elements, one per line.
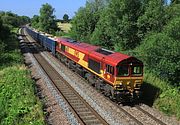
<point>173,29</point>
<point>2,47</point>
<point>18,102</point>
<point>11,58</point>
<point>167,98</point>
<point>160,54</point>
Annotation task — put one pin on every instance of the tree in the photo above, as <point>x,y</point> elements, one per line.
<point>172,11</point>
<point>175,1</point>
<point>173,29</point>
<point>4,32</point>
<point>102,33</point>
<point>4,35</point>
<point>84,23</point>
<point>153,18</point>
<point>24,20</point>
<point>160,53</point>
<point>117,26</point>
<point>65,18</point>
<point>10,19</point>
<point>47,21</point>
<point>35,21</point>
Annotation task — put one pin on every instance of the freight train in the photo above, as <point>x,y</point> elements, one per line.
<point>117,75</point>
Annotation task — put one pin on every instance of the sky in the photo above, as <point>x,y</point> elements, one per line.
<point>32,7</point>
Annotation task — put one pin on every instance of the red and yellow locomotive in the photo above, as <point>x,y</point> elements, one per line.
<point>117,75</point>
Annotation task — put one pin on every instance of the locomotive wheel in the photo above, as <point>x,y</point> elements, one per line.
<point>107,90</point>
<point>113,95</point>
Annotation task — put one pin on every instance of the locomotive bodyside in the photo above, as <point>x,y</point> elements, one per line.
<point>103,66</point>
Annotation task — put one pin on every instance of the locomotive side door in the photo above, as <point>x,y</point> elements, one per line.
<point>109,73</point>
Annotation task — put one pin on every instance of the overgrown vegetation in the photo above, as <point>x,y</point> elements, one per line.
<point>161,95</point>
<point>18,103</point>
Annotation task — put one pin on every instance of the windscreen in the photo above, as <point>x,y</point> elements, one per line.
<point>136,70</point>
<point>123,70</point>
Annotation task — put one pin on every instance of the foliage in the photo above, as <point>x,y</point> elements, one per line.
<point>18,102</point>
<point>160,54</point>
<point>173,28</point>
<point>2,47</point>
<point>35,22</point>
<point>13,20</point>
<point>8,21</point>
<point>65,18</point>
<point>175,1</point>
<point>117,25</point>
<point>167,98</point>
<point>4,32</point>
<point>110,25</point>
<point>47,21</point>
<point>173,11</point>
<point>153,17</point>
<point>83,24</point>
<point>101,36</point>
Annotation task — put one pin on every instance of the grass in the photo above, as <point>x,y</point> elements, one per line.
<point>166,97</point>
<point>18,103</point>
<point>65,27</point>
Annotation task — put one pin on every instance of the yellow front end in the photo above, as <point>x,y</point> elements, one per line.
<point>128,85</point>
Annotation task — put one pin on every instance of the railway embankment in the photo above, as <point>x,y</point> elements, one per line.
<point>161,95</point>
<point>18,102</point>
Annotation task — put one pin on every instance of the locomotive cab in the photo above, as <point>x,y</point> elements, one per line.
<point>129,76</point>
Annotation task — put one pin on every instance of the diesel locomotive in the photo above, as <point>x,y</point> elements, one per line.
<point>117,75</point>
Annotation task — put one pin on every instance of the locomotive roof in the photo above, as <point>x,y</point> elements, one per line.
<point>80,46</point>
<point>112,59</point>
<point>96,52</point>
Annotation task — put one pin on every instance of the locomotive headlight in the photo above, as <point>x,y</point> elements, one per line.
<point>120,83</point>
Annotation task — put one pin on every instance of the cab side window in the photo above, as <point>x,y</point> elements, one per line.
<point>110,69</point>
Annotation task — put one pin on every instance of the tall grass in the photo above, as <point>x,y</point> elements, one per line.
<point>18,104</point>
<point>167,97</point>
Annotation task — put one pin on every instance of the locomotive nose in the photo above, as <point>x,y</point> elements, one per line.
<point>130,86</point>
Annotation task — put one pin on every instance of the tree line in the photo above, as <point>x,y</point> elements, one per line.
<point>148,29</point>
<point>8,21</point>
<point>46,20</point>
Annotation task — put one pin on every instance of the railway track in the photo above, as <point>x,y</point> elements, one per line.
<point>131,114</point>
<point>84,113</point>
<point>151,116</point>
